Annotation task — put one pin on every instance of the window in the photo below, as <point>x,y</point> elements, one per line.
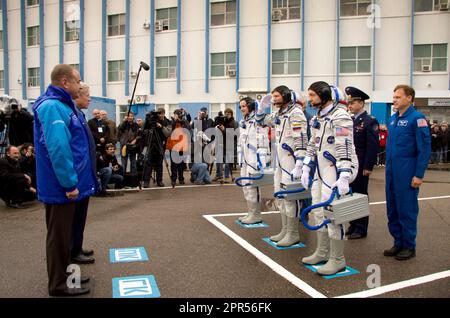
<point>33,36</point>
<point>166,19</point>
<point>32,3</point>
<point>215,109</point>
<point>223,64</point>
<point>355,59</point>
<point>286,61</point>
<point>172,108</point>
<point>351,8</point>
<point>285,10</point>
<point>76,66</point>
<point>2,79</point>
<point>1,39</point>
<point>33,77</point>
<point>166,67</point>
<point>430,5</point>
<point>72,32</point>
<point>430,58</point>
<point>223,13</point>
<point>116,71</point>
<point>116,24</point>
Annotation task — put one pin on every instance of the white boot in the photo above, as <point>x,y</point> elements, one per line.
<point>336,263</point>
<point>292,237</point>
<point>322,252</point>
<point>254,216</point>
<point>241,218</point>
<point>279,236</point>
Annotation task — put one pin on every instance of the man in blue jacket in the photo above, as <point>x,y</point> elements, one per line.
<point>407,154</point>
<point>65,175</point>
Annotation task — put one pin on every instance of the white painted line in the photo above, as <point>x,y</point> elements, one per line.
<point>399,285</point>
<point>277,268</point>
<point>239,214</point>
<point>176,187</point>
<point>420,199</point>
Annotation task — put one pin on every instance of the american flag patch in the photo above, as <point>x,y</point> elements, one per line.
<point>422,122</point>
<point>342,132</point>
<point>296,128</point>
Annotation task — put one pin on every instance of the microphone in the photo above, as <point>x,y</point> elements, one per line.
<point>145,66</point>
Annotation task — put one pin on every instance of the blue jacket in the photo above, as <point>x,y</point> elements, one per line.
<point>63,146</point>
<point>408,145</point>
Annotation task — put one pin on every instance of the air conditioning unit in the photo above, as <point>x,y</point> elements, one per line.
<point>444,6</point>
<point>140,99</point>
<point>76,36</point>
<point>146,25</point>
<point>231,71</point>
<point>426,68</point>
<point>276,15</point>
<point>158,26</point>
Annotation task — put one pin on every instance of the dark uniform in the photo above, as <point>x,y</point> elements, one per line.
<point>365,135</point>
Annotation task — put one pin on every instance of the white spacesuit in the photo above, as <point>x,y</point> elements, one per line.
<point>332,132</point>
<point>291,130</point>
<point>252,140</point>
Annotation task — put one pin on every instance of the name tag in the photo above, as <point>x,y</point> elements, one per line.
<point>100,130</point>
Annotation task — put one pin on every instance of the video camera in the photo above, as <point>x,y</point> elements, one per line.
<point>8,105</point>
<point>151,119</point>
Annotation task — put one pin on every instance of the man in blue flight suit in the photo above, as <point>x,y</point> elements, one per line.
<point>365,138</point>
<point>407,154</point>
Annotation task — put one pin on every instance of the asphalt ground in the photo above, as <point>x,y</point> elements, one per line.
<point>195,253</point>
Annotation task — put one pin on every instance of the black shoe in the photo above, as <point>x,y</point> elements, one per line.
<point>173,183</point>
<point>146,185</point>
<point>160,184</point>
<point>356,236</point>
<point>70,292</point>
<point>15,205</point>
<point>181,182</point>
<point>82,259</point>
<point>405,254</point>
<point>103,194</point>
<point>85,279</point>
<point>394,250</point>
<point>87,252</point>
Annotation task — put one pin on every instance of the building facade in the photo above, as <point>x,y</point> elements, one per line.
<point>212,52</point>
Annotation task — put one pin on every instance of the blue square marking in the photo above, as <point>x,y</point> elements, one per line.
<point>135,287</point>
<point>273,244</point>
<point>251,226</point>
<point>348,271</point>
<point>125,255</point>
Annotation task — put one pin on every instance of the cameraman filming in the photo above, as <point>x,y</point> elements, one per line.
<point>20,125</point>
<point>156,131</point>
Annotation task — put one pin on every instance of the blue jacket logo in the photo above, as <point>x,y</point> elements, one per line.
<point>402,123</point>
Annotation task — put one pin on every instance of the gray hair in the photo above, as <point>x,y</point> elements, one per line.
<point>84,88</point>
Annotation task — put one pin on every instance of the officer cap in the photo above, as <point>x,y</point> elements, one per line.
<point>354,93</point>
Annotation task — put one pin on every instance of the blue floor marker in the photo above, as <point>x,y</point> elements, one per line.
<point>273,244</point>
<point>125,255</point>
<point>348,271</point>
<point>135,287</point>
<point>251,226</point>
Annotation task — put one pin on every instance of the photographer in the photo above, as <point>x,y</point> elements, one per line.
<point>178,145</point>
<point>156,131</point>
<point>108,169</point>
<point>129,142</point>
<point>15,186</point>
<point>27,162</point>
<point>20,125</point>
<point>100,130</point>
<point>2,121</point>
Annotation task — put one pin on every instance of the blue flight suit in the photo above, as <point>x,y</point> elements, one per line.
<point>365,138</point>
<point>408,151</point>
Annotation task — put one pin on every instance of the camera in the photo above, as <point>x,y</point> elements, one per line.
<point>151,119</point>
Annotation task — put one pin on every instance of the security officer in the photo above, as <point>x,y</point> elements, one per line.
<point>365,138</point>
<point>408,151</point>
<point>291,129</point>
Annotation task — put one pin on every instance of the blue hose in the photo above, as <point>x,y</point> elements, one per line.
<point>237,181</point>
<point>315,206</point>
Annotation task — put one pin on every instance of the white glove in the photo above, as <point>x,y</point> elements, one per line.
<point>342,183</point>
<point>203,136</point>
<point>264,104</point>
<point>305,176</point>
<point>297,172</point>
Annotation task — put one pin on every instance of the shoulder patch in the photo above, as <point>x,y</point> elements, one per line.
<point>422,122</point>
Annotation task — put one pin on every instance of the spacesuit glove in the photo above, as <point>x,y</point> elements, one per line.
<point>305,176</point>
<point>262,157</point>
<point>343,183</point>
<point>297,172</point>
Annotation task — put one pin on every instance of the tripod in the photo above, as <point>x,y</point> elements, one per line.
<point>152,141</point>
<point>4,139</point>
